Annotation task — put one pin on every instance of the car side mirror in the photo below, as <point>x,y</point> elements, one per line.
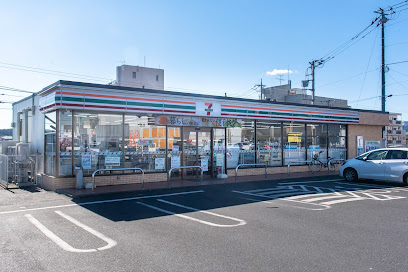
<point>365,158</point>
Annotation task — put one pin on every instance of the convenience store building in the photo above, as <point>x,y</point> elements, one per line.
<point>93,126</point>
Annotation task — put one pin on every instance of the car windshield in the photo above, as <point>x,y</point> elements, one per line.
<point>377,155</point>
<point>362,156</point>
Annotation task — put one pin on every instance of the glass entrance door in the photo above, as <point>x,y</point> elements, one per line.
<point>204,149</point>
<point>197,149</point>
<point>219,151</point>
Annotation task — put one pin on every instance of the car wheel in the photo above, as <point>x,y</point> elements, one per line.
<point>405,178</point>
<point>350,174</point>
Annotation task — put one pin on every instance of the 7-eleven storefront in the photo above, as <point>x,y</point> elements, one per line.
<point>99,126</point>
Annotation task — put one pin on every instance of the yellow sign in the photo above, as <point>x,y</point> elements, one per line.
<point>294,137</point>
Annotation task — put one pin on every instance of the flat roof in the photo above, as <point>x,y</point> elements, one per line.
<point>143,90</point>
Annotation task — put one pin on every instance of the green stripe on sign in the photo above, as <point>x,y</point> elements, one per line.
<point>234,110</point>
<point>72,99</point>
<point>288,114</point>
<point>144,104</point>
<point>102,101</point>
<point>179,107</point>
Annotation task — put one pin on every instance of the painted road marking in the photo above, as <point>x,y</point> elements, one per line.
<point>101,202</point>
<point>64,245</point>
<point>306,182</point>
<point>240,222</point>
<point>277,201</point>
<point>301,192</point>
<point>322,207</point>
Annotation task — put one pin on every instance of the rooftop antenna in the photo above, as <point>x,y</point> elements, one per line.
<point>280,79</point>
<point>288,74</point>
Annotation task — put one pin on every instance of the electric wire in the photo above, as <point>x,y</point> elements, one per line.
<point>368,64</point>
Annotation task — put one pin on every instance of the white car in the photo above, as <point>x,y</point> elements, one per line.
<point>382,164</point>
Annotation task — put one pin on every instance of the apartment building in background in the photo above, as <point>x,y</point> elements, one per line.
<point>395,135</point>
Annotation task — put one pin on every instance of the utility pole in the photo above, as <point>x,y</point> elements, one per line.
<point>312,67</point>
<point>383,20</point>
<point>261,88</point>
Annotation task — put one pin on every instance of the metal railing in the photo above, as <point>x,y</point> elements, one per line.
<point>334,161</point>
<point>183,167</point>
<point>298,162</point>
<point>250,164</point>
<point>116,169</point>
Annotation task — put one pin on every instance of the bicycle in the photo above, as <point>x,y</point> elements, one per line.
<point>316,164</point>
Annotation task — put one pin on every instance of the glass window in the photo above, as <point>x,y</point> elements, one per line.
<point>316,141</point>
<point>97,141</point>
<point>65,143</point>
<point>337,130</point>
<point>241,144</point>
<point>337,148</point>
<point>268,136</point>
<point>377,155</point>
<point>316,130</point>
<point>396,155</point>
<point>134,74</point>
<point>294,142</point>
<point>50,143</point>
<point>145,144</point>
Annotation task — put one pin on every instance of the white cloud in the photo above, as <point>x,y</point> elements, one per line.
<point>279,72</point>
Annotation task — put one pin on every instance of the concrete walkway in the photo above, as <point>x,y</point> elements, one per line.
<point>113,189</point>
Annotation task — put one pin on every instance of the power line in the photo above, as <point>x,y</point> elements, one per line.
<point>14,89</point>
<point>53,71</point>
<point>397,62</point>
<point>368,64</point>
<point>337,81</point>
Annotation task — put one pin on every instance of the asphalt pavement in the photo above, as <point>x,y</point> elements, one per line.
<point>314,224</point>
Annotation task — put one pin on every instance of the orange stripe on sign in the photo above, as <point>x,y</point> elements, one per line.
<point>95,95</point>
<point>255,108</point>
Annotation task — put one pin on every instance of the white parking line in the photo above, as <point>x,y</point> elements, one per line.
<point>305,182</point>
<point>101,202</point>
<point>342,201</point>
<point>64,245</point>
<point>240,222</point>
<point>283,199</point>
<point>277,202</point>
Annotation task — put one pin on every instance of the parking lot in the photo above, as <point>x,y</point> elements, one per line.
<point>298,225</point>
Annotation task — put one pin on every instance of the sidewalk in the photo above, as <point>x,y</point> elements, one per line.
<point>113,189</point>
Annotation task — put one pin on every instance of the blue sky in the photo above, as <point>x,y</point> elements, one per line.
<point>211,47</point>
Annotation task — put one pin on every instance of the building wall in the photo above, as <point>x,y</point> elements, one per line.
<point>147,78</point>
<point>369,133</point>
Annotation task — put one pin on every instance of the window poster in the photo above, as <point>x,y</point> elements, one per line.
<point>112,160</point>
<point>175,161</point>
<point>86,161</point>
<point>159,163</point>
<point>204,163</point>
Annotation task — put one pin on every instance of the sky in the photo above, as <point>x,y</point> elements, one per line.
<point>211,47</point>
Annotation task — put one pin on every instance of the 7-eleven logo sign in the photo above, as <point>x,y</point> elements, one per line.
<point>208,109</point>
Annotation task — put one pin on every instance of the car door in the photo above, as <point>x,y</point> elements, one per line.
<point>373,167</point>
<point>396,164</point>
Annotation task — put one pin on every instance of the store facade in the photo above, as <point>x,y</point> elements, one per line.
<point>93,126</point>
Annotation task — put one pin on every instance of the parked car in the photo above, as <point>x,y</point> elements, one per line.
<point>381,164</point>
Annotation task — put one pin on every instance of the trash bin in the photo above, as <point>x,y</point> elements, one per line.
<point>79,175</point>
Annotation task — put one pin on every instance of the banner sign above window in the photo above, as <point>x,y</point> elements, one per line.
<point>172,120</point>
